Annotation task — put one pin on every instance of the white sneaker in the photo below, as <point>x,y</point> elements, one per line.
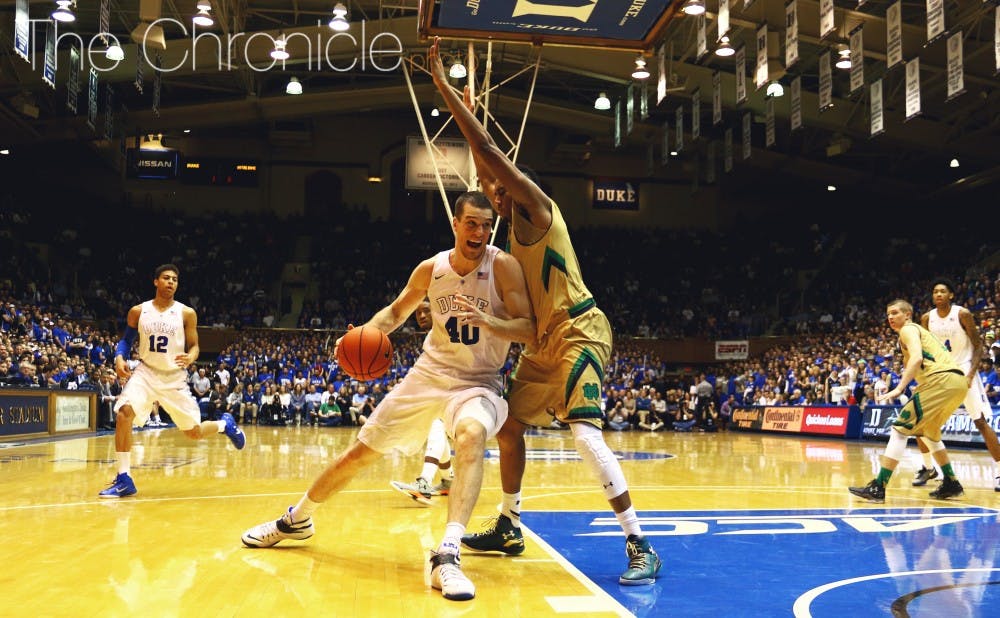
<point>447,576</point>
<point>271,533</point>
<point>421,491</point>
<point>997,486</point>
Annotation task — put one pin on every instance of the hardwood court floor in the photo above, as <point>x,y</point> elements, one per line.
<point>746,524</point>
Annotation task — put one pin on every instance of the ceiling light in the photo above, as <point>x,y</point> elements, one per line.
<point>831,188</point>
<point>294,86</point>
<point>724,49</point>
<point>844,61</point>
<point>64,13</point>
<point>339,20</point>
<point>640,72</point>
<point>603,102</point>
<point>203,18</point>
<point>457,70</point>
<point>374,179</point>
<point>279,52</point>
<point>187,130</point>
<point>775,89</point>
<point>114,52</point>
<point>954,163</point>
<point>435,112</point>
<point>694,7</point>
<point>5,151</point>
<point>673,153</point>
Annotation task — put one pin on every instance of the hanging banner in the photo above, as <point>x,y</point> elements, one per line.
<point>826,22</point>
<point>825,82</point>
<point>741,75</point>
<point>710,163</point>
<point>796,101</point>
<point>679,125</point>
<point>760,75</point>
<point>92,99</point>
<point>875,100</point>
<point>696,114</point>
<point>769,126</point>
<point>894,34</point>
<point>727,151</point>
<point>665,144</point>
<point>746,135</point>
<point>644,101</point>
<point>935,20</point>
<point>661,74</point>
<point>723,18</point>
<point>702,48</point>
<point>157,63</point>
<point>140,79</point>
<point>913,88</point>
<point>73,80</point>
<point>109,114</point>
<point>857,59</point>
<point>104,21</point>
<point>791,33</point>
<point>22,29</point>
<point>956,79</point>
<point>996,37</point>
<point>716,97</point>
<point>629,109</point>
<point>49,69</point>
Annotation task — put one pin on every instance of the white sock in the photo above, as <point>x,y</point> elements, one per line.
<point>928,460</point>
<point>629,521</point>
<point>124,462</point>
<point>428,471</point>
<point>452,538</point>
<point>304,509</point>
<point>511,507</point>
<point>222,426</point>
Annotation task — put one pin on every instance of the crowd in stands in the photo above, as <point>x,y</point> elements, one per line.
<point>62,308</point>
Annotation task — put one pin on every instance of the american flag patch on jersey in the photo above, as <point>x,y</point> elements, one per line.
<point>482,276</point>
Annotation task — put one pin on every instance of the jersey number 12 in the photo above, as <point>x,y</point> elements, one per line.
<point>158,344</point>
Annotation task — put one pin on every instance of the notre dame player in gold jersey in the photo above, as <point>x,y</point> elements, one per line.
<point>560,375</point>
<point>941,387</point>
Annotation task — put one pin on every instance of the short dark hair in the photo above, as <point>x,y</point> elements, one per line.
<point>165,267</point>
<point>533,176</point>
<point>475,199</point>
<point>945,282</point>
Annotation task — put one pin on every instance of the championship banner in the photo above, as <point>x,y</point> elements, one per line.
<point>629,109</point>
<point>796,101</point>
<point>727,151</point>
<point>760,74</point>
<point>679,135</point>
<point>92,99</point>
<point>956,79</point>
<point>747,117</point>
<point>702,39</point>
<point>644,101</point>
<point>109,113</point>
<point>696,114</point>
<point>741,75</point>
<point>913,88</point>
<point>716,97</point>
<point>791,33</point>
<point>723,18</point>
<point>857,59</point>
<point>612,194</point>
<point>894,34</point>
<point>875,100</point>
<point>22,29</point>
<point>710,163</point>
<point>732,350</point>
<point>451,163</point>
<point>73,80</point>
<point>665,144</point>
<point>825,82</point>
<point>769,123</point>
<point>616,125</point>
<point>49,68</point>
<point>826,22</point>
<point>935,20</point>
<point>661,73</point>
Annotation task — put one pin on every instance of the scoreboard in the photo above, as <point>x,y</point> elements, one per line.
<point>218,172</point>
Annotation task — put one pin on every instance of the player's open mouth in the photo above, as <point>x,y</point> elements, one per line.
<point>473,244</point>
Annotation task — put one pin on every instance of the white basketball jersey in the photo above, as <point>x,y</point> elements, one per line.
<point>161,336</point>
<point>464,350</point>
<point>949,331</point>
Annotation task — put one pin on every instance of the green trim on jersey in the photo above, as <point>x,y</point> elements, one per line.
<point>586,359</point>
<point>582,307</point>
<point>584,412</point>
<point>552,258</point>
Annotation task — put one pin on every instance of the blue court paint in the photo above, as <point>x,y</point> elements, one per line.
<point>933,561</point>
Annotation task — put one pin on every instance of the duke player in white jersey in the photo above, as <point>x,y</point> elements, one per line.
<point>956,328</point>
<point>166,334</point>
<point>479,303</point>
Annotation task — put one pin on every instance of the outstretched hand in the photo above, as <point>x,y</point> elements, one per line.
<point>434,64</point>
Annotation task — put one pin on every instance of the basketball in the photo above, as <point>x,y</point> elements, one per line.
<point>365,353</point>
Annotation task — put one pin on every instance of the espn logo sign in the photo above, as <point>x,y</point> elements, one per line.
<point>732,350</point>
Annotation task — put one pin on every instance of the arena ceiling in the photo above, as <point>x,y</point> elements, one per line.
<point>909,159</point>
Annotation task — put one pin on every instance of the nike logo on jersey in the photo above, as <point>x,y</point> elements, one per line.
<point>436,277</point>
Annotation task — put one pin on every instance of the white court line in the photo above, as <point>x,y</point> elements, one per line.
<point>602,601</point>
<point>801,607</point>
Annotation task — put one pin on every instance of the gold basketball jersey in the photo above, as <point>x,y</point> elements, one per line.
<point>936,358</point>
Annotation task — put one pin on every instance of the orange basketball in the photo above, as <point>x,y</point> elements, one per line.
<point>365,353</point>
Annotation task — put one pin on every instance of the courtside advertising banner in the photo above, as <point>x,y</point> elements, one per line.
<point>877,423</point>
<point>811,420</point>
<point>732,350</point>
<point>24,414</point>
<point>606,19</point>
